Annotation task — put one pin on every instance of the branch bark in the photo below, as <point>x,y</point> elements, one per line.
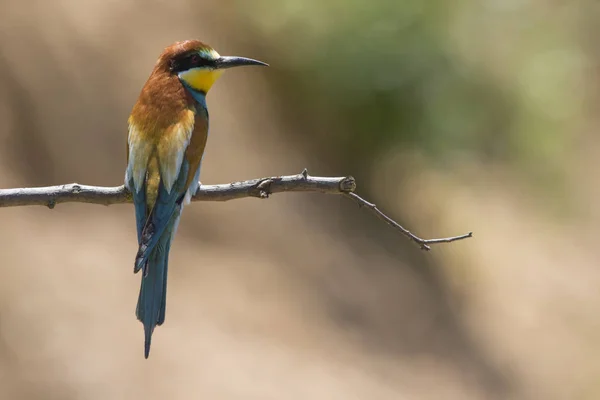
<point>261,188</point>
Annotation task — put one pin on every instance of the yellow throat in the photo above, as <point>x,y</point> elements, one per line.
<point>200,79</point>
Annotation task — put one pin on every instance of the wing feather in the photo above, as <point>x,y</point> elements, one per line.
<point>171,148</point>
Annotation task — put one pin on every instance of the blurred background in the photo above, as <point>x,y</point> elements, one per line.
<point>453,116</point>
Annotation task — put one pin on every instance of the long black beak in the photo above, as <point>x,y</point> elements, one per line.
<point>229,62</point>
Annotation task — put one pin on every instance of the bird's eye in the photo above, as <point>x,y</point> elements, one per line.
<point>195,59</point>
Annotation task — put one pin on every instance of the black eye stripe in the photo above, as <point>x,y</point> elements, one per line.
<point>189,61</point>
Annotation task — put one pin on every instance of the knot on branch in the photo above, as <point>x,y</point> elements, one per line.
<point>348,184</point>
<point>263,187</point>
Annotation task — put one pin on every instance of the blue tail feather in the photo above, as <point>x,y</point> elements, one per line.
<point>151,305</point>
<point>163,304</point>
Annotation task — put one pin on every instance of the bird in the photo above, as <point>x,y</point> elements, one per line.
<point>167,134</point>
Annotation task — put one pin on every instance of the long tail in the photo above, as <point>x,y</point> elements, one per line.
<point>151,304</point>
<point>156,228</point>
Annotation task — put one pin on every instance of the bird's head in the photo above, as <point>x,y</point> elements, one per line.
<point>198,65</point>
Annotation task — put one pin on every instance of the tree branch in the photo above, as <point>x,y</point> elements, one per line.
<point>261,188</point>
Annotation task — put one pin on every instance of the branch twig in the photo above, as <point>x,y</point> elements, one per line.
<point>261,188</point>
<point>424,243</point>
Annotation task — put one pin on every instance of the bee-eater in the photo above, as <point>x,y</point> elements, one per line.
<point>168,128</point>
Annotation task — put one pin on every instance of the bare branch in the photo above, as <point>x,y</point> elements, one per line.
<point>261,188</point>
<point>424,243</point>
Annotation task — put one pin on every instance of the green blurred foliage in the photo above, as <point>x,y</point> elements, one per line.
<point>495,81</point>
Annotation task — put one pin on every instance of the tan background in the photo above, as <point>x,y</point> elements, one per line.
<point>305,296</point>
